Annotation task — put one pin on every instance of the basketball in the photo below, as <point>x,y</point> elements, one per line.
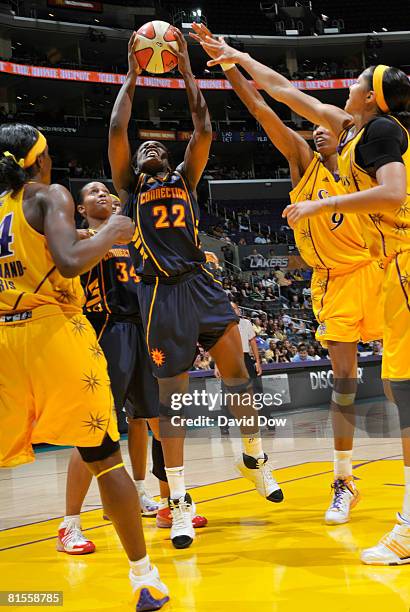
<point>155,47</point>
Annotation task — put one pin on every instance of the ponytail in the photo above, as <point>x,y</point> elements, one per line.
<point>16,141</point>
<point>12,176</point>
<point>396,92</point>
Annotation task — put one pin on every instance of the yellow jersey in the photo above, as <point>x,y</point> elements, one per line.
<point>332,242</point>
<point>28,275</point>
<point>386,233</point>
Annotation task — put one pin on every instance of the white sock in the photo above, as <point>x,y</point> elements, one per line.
<point>343,463</point>
<point>69,519</point>
<point>176,481</point>
<point>140,485</point>
<point>253,446</point>
<point>406,503</point>
<point>141,567</point>
<point>163,503</point>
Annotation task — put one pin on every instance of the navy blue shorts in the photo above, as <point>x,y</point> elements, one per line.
<point>178,315</point>
<point>132,382</point>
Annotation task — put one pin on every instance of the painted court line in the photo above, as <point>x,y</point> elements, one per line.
<point>204,501</point>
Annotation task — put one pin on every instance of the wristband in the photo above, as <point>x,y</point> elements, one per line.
<point>227,66</point>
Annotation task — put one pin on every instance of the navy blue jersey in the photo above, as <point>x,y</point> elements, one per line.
<point>111,286</point>
<point>166,216</point>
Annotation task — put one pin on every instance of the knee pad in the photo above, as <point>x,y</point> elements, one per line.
<point>401,394</point>
<point>167,411</point>
<point>99,453</point>
<point>158,463</point>
<point>344,391</point>
<point>245,387</point>
<point>343,399</point>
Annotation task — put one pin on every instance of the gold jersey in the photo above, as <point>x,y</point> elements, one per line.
<point>332,242</point>
<point>386,233</point>
<point>28,275</point>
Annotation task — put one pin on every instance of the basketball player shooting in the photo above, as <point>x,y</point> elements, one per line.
<point>181,302</point>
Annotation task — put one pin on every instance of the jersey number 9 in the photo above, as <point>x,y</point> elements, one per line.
<point>337,220</point>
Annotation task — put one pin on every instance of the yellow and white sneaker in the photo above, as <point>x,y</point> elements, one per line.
<point>259,471</point>
<point>393,548</point>
<point>345,498</point>
<point>149,592</point>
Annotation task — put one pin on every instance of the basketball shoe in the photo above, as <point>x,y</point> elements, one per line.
<point>393,548</point>
<point>71,540</point>
<point>149,592</point>
<point>164,518</point>
<point>259,472</point>
<point>182,511</point>
<point>149,507</point>
<point>345,498</point>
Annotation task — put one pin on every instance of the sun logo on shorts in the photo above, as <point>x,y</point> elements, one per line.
<point>158,357</point>
<point>377,218</point>
<point>96,422</point>
<point>305,235</point>
<point>91,382</point>
<point>401,229</point>
<point>405,279</point>
<point>79,326</point>
<point>96,350</point>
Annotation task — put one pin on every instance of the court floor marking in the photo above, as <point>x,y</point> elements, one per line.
<point>99,507</point>
<point>108,523</point>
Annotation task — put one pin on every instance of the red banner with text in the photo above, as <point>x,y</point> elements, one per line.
<point>87,76</point>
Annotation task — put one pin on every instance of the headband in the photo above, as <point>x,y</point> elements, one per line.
<point>37,149</point>
<point>378,87</point>
<point>114,197</point>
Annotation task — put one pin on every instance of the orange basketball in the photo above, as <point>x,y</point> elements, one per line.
<point>155,47</point>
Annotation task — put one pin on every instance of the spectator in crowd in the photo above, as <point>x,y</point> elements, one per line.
<point>312,352</point>
<point>257,326</point>
<point>202,361</point>
<point>302,354</point>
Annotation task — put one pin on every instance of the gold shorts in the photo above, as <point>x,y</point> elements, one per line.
<point>54,384</point>
<point>349,307</point>
<point>396,289</point>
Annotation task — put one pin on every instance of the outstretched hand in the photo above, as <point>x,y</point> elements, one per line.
<point>133,65</point>
<point>296,212</point>
<point>216,48</point>
<point>184,64</point>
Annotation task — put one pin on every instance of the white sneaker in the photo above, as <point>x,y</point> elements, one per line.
<point>149,507</point>
<point>149,592</point>
<point>183,511</point>
<point>393,548</point>
<point>71,540</point>
<point>259,472</point>
<point>345,498</point>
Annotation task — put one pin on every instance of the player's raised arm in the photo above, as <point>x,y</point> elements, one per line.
<point>197,151</point>
<point>119,151</point>
<point>388,196</point>
<point>276,85</point>
<point>295,148</point>
<point>72,255</point>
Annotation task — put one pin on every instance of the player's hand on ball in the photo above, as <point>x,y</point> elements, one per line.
<point>122,227</point>
<point>133,65</point>
<point>294,213</point>
<point>184,65</point>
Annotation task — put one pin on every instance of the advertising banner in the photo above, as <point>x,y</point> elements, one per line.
<point>64,74</point>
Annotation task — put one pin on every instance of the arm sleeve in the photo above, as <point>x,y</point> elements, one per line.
<point>384,142</point>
